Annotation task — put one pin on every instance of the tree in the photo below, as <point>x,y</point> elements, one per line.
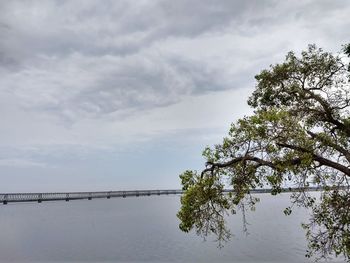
<point>298,136</point>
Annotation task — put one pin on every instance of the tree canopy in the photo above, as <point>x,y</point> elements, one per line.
<point>299,136</point>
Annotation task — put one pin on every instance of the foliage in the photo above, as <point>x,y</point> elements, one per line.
<point>298,136</point>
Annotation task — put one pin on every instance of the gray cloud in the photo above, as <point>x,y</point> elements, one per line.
<point>82,58</point>
<point>62,27</point>
<point>82,86</point>
<point>82,79</point>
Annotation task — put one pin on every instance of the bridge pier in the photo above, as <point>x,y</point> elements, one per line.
<point>5,200</point>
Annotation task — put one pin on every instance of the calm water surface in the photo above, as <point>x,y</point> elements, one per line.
<point>143,230</point>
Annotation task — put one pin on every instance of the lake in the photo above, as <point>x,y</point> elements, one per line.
<point>144,229</point>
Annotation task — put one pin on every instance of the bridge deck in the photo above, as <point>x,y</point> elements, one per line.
<point>40,197</point>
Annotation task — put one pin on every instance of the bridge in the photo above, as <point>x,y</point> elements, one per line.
<point>41,197</point>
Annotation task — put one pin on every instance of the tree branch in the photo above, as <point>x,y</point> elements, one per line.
<point>331,144</point>
<point>318,158</point>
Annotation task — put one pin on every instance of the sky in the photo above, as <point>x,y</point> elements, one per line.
<point>118,95</point>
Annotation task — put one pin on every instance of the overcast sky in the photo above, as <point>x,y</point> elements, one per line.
<point>113,95</point>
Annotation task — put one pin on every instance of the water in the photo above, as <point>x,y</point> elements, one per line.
<point>143,230</point>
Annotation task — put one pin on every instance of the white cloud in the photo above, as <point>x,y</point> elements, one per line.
<point>20,163</point>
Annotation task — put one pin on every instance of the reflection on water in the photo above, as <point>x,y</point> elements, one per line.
<point>143,230</point>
